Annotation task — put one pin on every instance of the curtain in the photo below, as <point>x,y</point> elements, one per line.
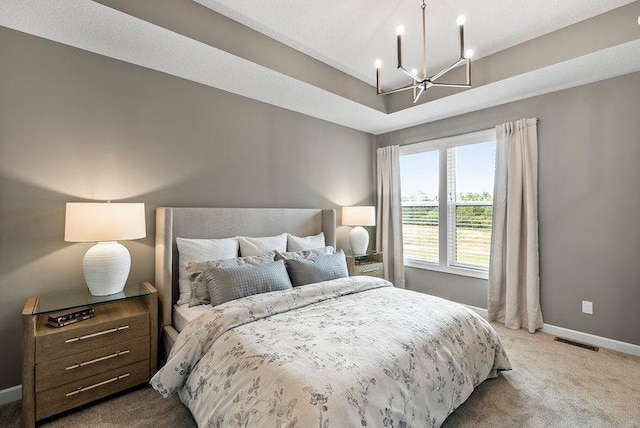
<point>389,214</point>
<point>514,282</point>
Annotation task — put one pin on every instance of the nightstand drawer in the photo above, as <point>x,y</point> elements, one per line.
<point>68,369</point>
<point>74,394</point>
<point>372,269</point>
<point>112,324</point>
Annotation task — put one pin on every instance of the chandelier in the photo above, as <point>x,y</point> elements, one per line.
<point>420,83</point>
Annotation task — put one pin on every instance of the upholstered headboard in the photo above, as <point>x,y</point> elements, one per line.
<point>209,223</point>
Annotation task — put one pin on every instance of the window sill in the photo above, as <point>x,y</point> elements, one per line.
<point>418,264</point>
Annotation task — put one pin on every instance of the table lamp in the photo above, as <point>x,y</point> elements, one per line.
<point>105,265</point>
<point>358,217</point>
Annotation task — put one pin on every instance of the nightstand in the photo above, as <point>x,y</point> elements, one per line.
<point>369,264</point>
<point>65,367</point>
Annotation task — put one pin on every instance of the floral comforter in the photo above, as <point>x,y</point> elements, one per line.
<point>344,353</point>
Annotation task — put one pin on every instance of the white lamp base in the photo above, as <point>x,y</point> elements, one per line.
<point>106,268</point>
<point>359,238</point>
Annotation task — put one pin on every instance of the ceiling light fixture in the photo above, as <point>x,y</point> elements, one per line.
<point>421,83</point>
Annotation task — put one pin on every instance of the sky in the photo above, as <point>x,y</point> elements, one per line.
<point>474,166</point>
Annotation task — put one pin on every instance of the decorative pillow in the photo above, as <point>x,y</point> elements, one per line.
<point>304,254</point>
<point>199,290</point>
<point>318,269</point>
<point>226,284</point>
<point>260,246</point>
<point>296,243</point>
<point>190,250</point>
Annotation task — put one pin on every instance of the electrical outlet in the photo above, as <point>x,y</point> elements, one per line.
<point>587,307</point>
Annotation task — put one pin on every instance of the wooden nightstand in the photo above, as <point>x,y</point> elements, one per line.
<point>369,264</point>
<point>65,367</point>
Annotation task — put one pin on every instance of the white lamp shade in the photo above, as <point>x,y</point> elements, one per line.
<point>106,265</point>
<point>104,221</point>
<point>359,216</point>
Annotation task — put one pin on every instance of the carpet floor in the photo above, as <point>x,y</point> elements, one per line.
<point>552,384</point>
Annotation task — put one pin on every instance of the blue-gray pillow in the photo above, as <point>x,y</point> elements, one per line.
<point>230,283</point>
<point>195,270</point>
<point>317,269</point>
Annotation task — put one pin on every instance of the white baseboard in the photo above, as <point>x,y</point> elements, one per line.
<point>589,339</point>
<point>592,339</point>
<point>10,395</point>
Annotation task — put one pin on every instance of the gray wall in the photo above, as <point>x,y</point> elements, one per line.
<point>77,126</point>
<point>589,202</point>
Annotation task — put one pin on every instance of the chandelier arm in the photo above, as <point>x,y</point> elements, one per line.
<point>404,88</point>
<point>461,41</point>
<point>446,70</point>
<point>452,85</point>
<point>424,41</point>
<point>415,99</point>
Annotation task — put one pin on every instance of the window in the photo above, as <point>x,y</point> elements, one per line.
<point>447,203</point>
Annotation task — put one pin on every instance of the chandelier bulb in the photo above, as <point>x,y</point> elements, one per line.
<point>468,53</point>
<point>461,20</point>
<point>378,63</point>
<point>414,72</point>
<point>400,30</point>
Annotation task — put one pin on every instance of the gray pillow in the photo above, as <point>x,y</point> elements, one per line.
<point>318,269</point>
<point>226,284</point>
<point>304,254</point>
<point>199,290</point>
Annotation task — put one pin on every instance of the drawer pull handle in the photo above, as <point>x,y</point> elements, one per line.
<point>100,333</point>
<point>96,360</point>
<point>104,382</point>
<point>370,270</point>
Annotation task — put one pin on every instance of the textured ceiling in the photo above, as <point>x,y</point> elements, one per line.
<point>107,31</point>
<point>351,35</point>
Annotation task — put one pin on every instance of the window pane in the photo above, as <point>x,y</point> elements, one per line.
<point>474,169</point>
<point>420,215</point>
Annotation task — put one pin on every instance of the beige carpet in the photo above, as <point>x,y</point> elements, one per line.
<point>552,385</point>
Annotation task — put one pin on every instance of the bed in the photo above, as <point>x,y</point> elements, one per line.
<point>351,351</point>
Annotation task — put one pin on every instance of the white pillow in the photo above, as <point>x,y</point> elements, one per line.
<point>296,243</point>
<point>260,246</point>
<point>200,250</point>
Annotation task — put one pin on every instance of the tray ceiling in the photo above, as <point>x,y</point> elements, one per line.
<point>532,35</point>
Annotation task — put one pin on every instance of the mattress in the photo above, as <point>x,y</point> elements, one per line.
<point>183,314</point>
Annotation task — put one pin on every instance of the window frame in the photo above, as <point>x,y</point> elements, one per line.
<point>444,251</point>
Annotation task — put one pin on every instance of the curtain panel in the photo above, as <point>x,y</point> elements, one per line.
<point>514,282</point>
<point>389,214</point>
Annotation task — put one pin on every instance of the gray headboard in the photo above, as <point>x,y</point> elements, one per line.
<point>209,223</point>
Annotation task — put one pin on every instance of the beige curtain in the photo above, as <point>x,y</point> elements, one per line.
<point>514,283</point>
<point>389,214</point>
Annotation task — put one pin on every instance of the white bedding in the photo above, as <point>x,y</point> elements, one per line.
<point>183,314</point>
<point>349,352</point>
